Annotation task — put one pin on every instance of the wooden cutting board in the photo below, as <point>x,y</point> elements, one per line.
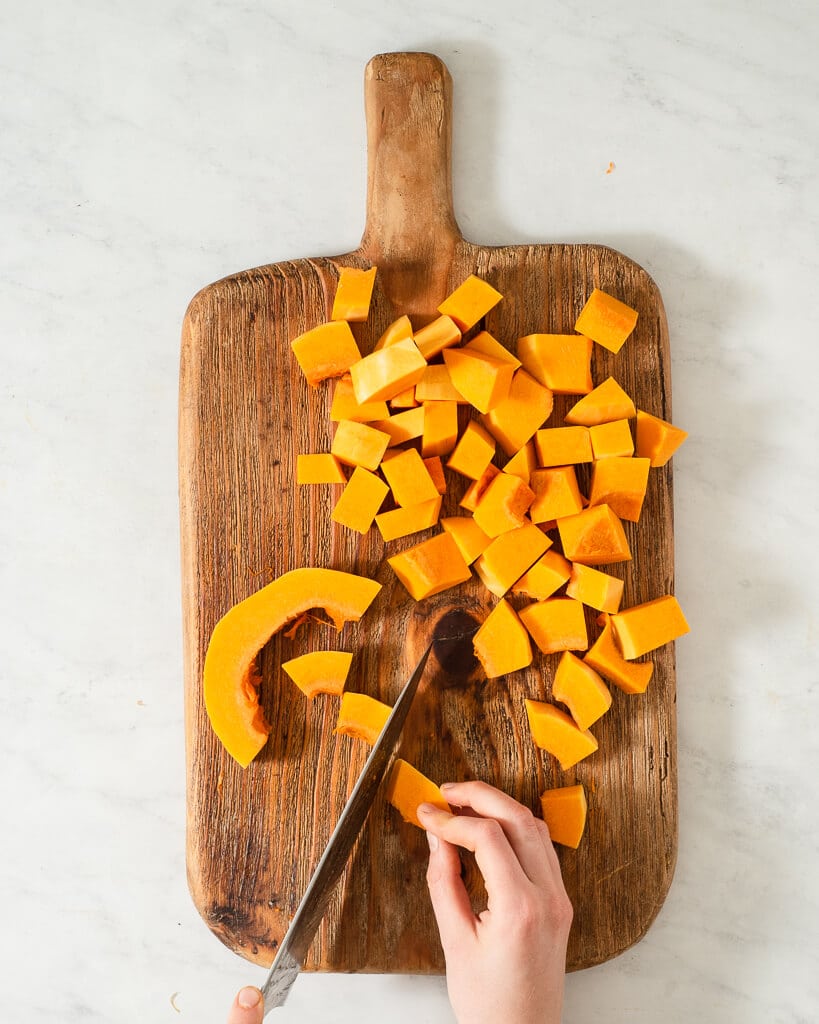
<point>255,835</point>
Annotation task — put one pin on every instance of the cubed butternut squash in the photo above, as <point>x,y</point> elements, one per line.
<point>469,537</point>
<point>475,491</point>
<point>440,428</point>
<point>436,386</point>
<point>503,504</point>
<point>563,446</point>
<point>328,350</point>
<point>353,294</point>
<point>564,810</point>
<point>437,336</point>
<point>509,555</point>
<point>556,733</point>
<point>604,657</point>
<point>594,536</point>
<point>644,627</point>
<point>430,567</point>
<point>409,478</point>
<point>389,371</point>
<point>502,644</point>
<point>657,439</point>
<point>490,346</point>
<point>398,330</point>
<point>322,468</point>
<point>607,402</point>
<point>621,484</point>
<point>581,689</point>
<point>482,379</point>
<point>523,463</point>
<point>345,407</point>
<point>435,468</point>
<point>606,320</point>
<point>611,440</point>
<point>473,452</point>
<point>401,522</point>
<point>547,575</point>
<point>402,426</point>
<point>359,444</point>
<point>362,717</point>
<point>360,500</point>
<point>556,624</point>
<point>470,302</point>
<point>556,494</point>
<point>560,362</point>
<point>514,421</point>
<point>594,588</point>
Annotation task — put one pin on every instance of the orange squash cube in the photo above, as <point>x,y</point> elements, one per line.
<point>409,478</point>
<point>556,494</point>
<point>398,330</point>
<point>436,386</point>
<point>469,537</point>
<point>555,732</point>
<point>657,440</point>
<point>436,336</point>
<point>319,469</point>
<point>560,362</point>
<point>607,402</point>
<point>431,566</point>
<point>405,399</point>
<point>328,350</point>
<point>402,426</point>
<point>594,536</point>
<point>562,446</point>
<point>606,320</point>
<point>387,372</point>
<point>605,658</point>
<point>581,689</point>
<point>507,558</point>
<point>473,452</point>
<point>596,589</point>
<point>360,500</point>
<point>502,644</point>
<point>359,444</point>
<point>547,575</point>
<point>476,489</point>
<point>408,788</point>
<point>345,407</point>
<point>401,522</point>
<point>645,627</point>
<point>514,420</point>
<point>523,463</point>
<point>440,428</point>
<point>319,672</point>
<point>362,717</point>
<point>564,811</point>
<point>490,346</point>
<point>353,294</point>
<point>556,624</point>
<point>435,468</point>
<point>621,484</point>
<point>482,380</point>
<point>610,440</point>
<point>503,504</point>
<point>470,302</point>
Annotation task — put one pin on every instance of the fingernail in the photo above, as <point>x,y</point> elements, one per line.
<point>249,997</point>
<point>448,785</point>
<point>432,840</point>
<point>427,808</point>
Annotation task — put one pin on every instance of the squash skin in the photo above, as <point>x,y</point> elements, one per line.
<point>230,679</point>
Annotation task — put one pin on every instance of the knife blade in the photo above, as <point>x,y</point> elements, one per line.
<point>310,911</point>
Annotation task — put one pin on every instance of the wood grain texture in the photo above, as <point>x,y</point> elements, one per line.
<point>255,835</point>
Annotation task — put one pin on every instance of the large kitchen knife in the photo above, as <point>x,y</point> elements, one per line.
<point>310,911</point>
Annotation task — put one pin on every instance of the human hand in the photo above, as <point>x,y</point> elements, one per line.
<point>508,963</point>
<point>248,1007</point>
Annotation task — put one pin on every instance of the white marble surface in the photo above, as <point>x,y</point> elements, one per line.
<point>147,149</point>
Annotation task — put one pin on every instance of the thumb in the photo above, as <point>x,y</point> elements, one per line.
<point>447,892</point>
<point>248,1007</point>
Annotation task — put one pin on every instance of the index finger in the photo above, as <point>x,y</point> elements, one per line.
<point>502,873</point>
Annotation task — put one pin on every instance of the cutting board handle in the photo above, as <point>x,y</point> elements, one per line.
<point>408,106</point>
